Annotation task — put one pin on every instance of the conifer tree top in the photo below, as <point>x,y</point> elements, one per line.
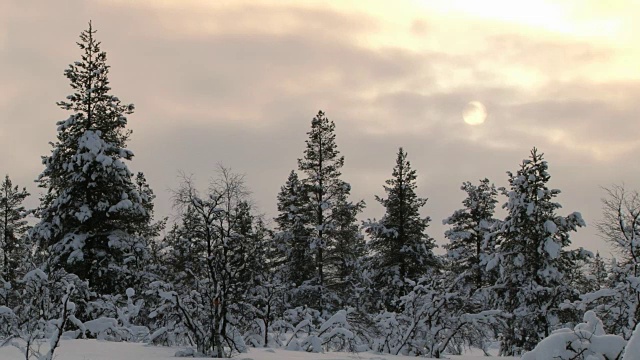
<point>93,107</point>
<point>532,228</point>
<point>401,187</point>
<point>321,155</point>
<point>399,239</point>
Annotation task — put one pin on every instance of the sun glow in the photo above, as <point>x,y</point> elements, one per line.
<point>475,113</point>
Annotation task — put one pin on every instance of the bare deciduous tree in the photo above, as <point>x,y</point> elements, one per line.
<point>620,224</point>
<point>211,261</point>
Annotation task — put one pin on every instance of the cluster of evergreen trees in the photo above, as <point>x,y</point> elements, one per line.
<point>220,279</point>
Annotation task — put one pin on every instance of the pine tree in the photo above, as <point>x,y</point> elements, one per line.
<point>150,230</point>
<point>402,250</point>
<point>141,260</point>
<point>470,226</point>
<point>534,259</point>
<point>248,232</point>
<point>13,227</point>
<point>348,251</point>
<point>268,287</point>
<point>597,273</point>
<point>327,193</point>
<point>294,234</point>
<point>183,249</point>
<point>91,210</point>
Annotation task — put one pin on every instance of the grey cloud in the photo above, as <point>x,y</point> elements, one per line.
<point>587,119</point>
<point>268,155</point>
<point>545,55</point>
<point>246,98</point>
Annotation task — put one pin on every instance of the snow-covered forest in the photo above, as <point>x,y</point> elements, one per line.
<point>92,261</point>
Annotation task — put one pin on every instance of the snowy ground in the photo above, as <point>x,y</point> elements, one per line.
<point>102,350</point>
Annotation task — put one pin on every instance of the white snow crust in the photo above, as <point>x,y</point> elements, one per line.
<point>83,349</point>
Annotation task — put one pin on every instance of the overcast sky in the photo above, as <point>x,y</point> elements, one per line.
<point>238,82</point>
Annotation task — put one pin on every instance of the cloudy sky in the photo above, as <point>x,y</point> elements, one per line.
<point>238,82</point>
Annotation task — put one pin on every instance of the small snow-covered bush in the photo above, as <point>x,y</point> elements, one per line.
<point>167,326</point>
<point>195,317</point>
<point>616,305</point>
<point>586,341</point>
<point>313,334</point>
<point>113,318</point>
<point>47,309</point>
<point>432,321</point>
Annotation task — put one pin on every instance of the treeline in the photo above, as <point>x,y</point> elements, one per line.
<point>221,279</point>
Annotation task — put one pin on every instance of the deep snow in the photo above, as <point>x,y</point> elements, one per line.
<point>104,350</point>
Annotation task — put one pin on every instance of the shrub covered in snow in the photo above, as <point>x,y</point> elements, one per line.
<point>632,350</point>
<point>586,341</point>
<point>433,320</point>
<point>114,318</point>
<point>332,334</point>
<point>46,310</point>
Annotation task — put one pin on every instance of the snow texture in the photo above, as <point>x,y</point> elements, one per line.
<point>103,350</point>
<point>632,350</point>
<point>586,341</point>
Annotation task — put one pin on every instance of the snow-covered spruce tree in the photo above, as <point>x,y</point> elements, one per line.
<point>533,257</point>
<point>143,257</point>
<point>471,245</point>
<point>347,253</point>
<point>293,237</point>
<point>590,274</point>
<point>140,259</point>
<point>267,293</point>
<point>14,250</point>
<point>579,279</point>
<point>209,268</point>
<point>326,207</point>
<point>597,272</point>
<point>260,295</point>
<point>467,248</point>
<point>148,230</point>
<point>91,210</point>
<point>402,252</point>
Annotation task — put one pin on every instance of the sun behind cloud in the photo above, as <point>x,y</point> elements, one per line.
<point>475,113</point>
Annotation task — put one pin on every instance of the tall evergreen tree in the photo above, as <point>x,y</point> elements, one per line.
<point>294,235</point>
<point>327,197</point>
<point>597,273</point>
<point>92,209</point>
<point>150,229</point>
<point>267,294</point>
<point>402,250</point>
<point>144,240</point>
<point>348,251</point>
<point>470,227</point>
<point>534,259</point>
<point>13,226</point>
